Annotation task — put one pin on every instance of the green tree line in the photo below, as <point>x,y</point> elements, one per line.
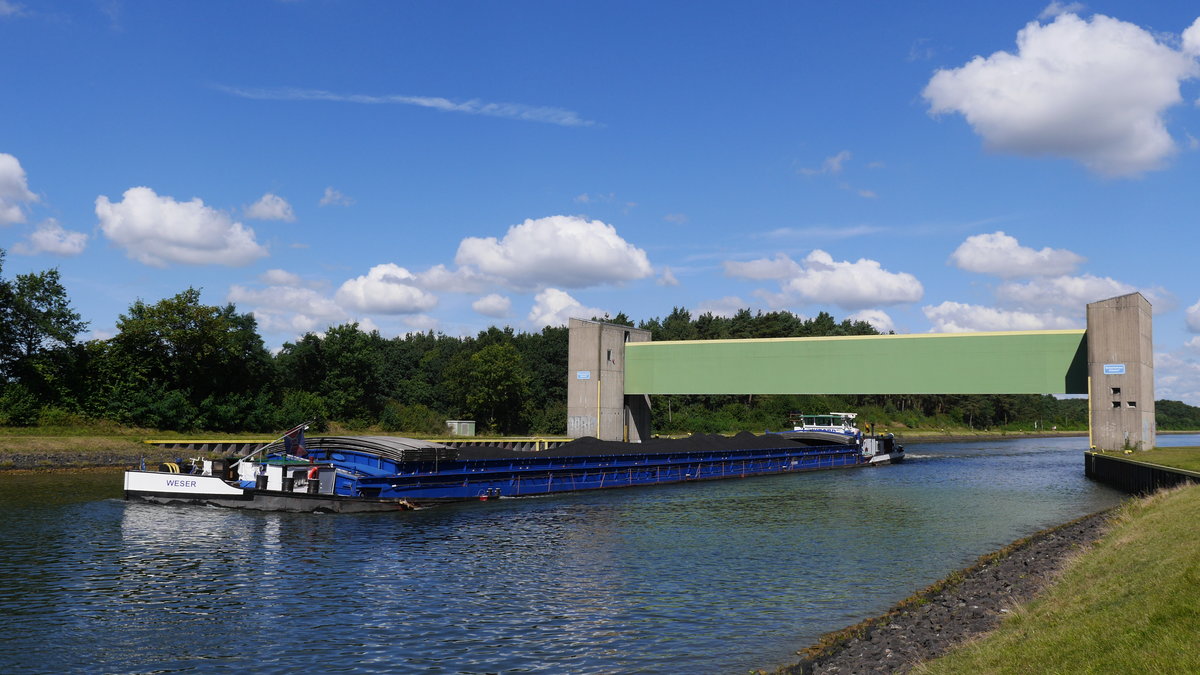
<point>179,364</point>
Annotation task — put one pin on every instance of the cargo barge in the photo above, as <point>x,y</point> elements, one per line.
<point>357,474</point>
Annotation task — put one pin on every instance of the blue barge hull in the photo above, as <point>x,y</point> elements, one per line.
<point>424,482</point>
<point>355,474</point>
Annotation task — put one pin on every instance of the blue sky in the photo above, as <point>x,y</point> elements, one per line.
<point>926,166</point>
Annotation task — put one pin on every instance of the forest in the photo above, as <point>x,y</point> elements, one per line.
<point>181,365</point>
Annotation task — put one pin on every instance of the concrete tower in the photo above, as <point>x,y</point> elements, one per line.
<point>1121,373</point>
<point>596,401</point>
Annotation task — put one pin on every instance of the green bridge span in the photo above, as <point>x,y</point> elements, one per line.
<point>614,370</point>
<point>1029,362</point>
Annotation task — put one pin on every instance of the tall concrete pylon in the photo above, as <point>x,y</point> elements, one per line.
<point>1120,344</point>
<point>596,401</point>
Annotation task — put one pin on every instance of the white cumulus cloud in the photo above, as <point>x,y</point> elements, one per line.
<point>877,318</point>
<point>50,237</point>
<point>956,317</point>
<point>157,230</point>
<point>385,289</point>
<point>419,323</point>
<point>1091,90</point>
<point>461,280</point>
<point>284,306</point>
<point>277,277</point>
<point>493,305</point>
<point>780,267</point>
<point>1191,39</point>
<point>566,251</point>
<point>1177,377</point>
<point>1001,255</point>
<point>726,306</point>
<point>1066,292</point>
<point>14,190</point>
<point>553,307</point>
<point>821,279</point>
<point>1193,318</point>
<point>271,207</point>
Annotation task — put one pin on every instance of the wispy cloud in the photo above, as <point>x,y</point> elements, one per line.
<point>8,8</point>
<point>1057,8</point>
<point>516,111</point>
<point>830,165</point>
<point>819,232</point>
<point>335,198</point>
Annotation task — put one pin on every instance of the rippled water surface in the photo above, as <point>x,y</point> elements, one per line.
<point>718,577</point>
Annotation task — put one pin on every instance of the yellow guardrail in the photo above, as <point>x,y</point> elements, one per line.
<point>536,443</point>
<point>208,440</point>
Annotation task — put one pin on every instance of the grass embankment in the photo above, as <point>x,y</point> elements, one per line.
<point>87,445</point>
<point>1129,605</point>
<point>104,444</point>
<point>1179,458</point>
<point>919,435</point>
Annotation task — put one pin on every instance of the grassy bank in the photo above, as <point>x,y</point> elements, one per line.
<point>964,434</point>
<point>1131,604</point>
<point>1179,458</point>
<point>103,444</point>
<point>85,445</point>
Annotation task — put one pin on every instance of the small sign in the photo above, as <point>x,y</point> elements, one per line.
<point>587,374</point>
<point>1114,369</point>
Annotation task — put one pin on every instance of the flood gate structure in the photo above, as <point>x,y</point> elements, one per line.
<point>613,370</point>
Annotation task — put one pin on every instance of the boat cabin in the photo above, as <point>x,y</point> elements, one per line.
<point>834,421</point>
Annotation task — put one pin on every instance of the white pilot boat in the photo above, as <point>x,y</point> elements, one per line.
<point>841,427</point>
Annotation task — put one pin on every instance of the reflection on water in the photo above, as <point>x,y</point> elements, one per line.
<point>713,578</point>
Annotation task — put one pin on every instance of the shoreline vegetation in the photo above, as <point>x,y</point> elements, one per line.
<point>107,445</point>
<point>1115,591</point>
<point>1128,603</point>
<point>186,366</point>
<point>954,610</point>
<point>1081,597</point>
<point>1184,458</point>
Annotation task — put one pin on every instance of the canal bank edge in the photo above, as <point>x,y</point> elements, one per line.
<point>1134,476</point>
<point>71,452</point>
<point>958,608</point>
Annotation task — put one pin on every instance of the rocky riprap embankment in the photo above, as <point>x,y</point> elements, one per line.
<point>952,611</point>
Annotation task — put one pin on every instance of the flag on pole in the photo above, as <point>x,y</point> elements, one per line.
<point>293,442</point>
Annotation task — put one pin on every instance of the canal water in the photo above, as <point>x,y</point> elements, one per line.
<point>718,577</point>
